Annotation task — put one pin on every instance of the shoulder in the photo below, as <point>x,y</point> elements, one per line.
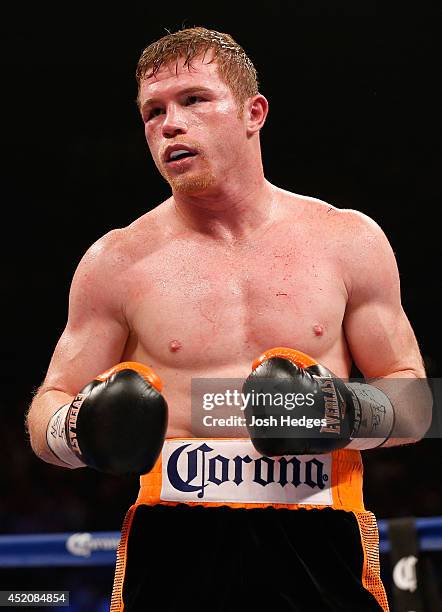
<point>364,240</point>
<point>356,241</point>
<point>119,248</point>
<point>342,225</point>
<point>104,252</point>
<point>320,209</point>
<point>100,279</point>
<point>93,280</point>
<point>359,224</point>
<point>368,262</point>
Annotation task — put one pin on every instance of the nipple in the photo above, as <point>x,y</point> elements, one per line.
<point>174,346</point>
<point>318,330</point>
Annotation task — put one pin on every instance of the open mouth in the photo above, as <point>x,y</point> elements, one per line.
<point>178,154</point>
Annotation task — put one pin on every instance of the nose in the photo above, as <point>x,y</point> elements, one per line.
<point>174,123</point>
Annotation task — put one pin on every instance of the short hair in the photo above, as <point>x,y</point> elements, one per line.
<point>234,66</point>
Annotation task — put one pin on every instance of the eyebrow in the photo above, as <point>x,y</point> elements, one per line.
<point>188,90</point>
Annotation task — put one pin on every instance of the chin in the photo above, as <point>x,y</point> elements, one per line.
<point>191,184</point>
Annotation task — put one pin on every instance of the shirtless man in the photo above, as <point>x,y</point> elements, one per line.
<point>226,268</point>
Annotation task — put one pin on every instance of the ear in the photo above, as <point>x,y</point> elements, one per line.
<point>256,113</point>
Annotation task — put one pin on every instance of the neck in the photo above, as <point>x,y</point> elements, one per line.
<point>229,212</point>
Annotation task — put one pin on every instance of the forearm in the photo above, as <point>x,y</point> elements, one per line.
<point>411,398</point>
<point>44,405</point>
<point>115,424</point>
<point>390,410</point>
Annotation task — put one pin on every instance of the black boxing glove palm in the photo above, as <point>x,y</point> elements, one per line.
<point>117,423</point>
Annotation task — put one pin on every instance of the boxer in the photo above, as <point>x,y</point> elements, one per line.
<point>225,268</point>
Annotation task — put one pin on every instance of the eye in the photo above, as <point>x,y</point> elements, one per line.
<point>154,112</point>
<point>193,99</point>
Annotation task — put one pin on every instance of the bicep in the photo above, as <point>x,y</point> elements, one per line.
<point>380,339</point>
<point>84,351</point>
<point>95,334</point>
<point>379,335</point>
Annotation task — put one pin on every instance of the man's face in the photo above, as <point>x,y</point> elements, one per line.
<point>196,109</point>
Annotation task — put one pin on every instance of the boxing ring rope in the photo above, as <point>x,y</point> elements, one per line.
<point>99,547</point>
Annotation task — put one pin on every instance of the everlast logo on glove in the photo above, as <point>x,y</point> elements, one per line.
<point>232,470</point>
<point>332,412</point>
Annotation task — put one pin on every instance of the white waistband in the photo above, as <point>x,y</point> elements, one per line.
<point>219,471</point>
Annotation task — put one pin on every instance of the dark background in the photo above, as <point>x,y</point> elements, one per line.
<point>355,99</point>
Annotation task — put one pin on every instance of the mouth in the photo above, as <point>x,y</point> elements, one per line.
<point>178,153</point>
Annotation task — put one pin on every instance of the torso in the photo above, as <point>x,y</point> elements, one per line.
<point>197,307</point>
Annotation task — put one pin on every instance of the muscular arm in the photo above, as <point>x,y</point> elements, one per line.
<point>379,335</point>
<point>93,340</point>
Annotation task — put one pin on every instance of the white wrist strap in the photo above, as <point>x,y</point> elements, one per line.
<point>56,439</point>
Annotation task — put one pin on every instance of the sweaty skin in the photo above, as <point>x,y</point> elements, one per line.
<point>227,267</point>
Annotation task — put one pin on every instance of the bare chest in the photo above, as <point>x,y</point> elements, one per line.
<point>192,304</point>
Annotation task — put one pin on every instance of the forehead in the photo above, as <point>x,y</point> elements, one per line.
<point>175,76</point>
